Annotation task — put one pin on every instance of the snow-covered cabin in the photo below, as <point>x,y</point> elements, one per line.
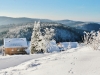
<point>53,47</point>
<point>15,46</point>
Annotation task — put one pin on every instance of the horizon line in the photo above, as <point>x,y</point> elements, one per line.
<point>48,19</point>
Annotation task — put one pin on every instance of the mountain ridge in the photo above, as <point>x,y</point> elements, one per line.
<point>18,20</point>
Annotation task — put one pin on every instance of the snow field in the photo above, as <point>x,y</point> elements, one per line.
<point>76,61</point>
<point>14,60</point>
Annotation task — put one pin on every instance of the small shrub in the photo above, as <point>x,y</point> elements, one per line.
<point>92,39</point>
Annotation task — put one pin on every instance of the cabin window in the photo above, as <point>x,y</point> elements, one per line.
<point>12,50</point>
<point>18,50</point>
<point>25,48</point>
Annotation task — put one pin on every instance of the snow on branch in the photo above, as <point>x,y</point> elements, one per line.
<point>92,39</point>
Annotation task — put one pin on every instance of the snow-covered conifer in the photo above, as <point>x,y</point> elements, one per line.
<point>35,38</point>
<point>40,40</point>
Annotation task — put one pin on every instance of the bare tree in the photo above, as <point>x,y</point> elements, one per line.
<point>92,39</point>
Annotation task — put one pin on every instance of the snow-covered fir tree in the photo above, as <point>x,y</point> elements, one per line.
<point>40,40</point>
<point>35,38</point>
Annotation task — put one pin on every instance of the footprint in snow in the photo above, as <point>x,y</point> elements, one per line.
<point>73,63</point>
<point>70,71</point>
<point>75,58</point>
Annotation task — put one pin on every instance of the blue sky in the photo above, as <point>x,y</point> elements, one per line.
<point>82,10</point>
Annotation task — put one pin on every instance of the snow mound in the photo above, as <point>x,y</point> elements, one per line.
<point>53,47</point>
<point>28,49</point>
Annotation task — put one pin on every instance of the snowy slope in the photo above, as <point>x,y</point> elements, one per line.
<point>77,61</point>
<point>11,61</point>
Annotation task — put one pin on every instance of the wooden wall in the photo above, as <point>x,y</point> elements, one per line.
<point>12,51</point>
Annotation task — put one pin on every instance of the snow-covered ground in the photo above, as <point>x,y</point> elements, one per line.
<point>11,61</point>
<point>76,61</point>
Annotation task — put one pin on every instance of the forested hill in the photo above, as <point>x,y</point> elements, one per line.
<point>62,33</point>
<point>65,30</point>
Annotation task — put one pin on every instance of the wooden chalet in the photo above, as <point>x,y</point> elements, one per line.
<point>15,46</point>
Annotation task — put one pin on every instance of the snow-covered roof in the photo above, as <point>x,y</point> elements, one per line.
<point>15,42</point>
